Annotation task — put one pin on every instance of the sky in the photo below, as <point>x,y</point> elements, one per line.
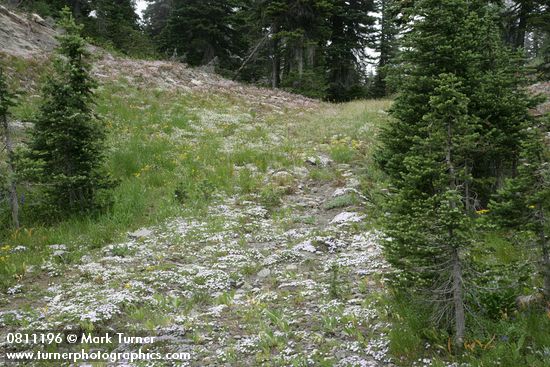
<point>140,6</point>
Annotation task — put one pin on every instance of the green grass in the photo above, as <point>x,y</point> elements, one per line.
<point>169,163</point>
<point>164,166</point>
<point>498,332</point>
<point>342,201</point>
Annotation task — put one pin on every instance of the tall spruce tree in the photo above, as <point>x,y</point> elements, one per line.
<point>460,38</point>
<point>352,32</point>
<point>156,17</point>
<point>524,202</point>
<point>453,138</point>
<point>7,100</point>
<point>116,23</point>
<point>200,31</point>
<point>67,140</point>
<point>386,44</point>
<point>430,228</point>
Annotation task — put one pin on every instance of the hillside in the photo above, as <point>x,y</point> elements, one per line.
<point>24,35</point>
<point>240,232</point>
<point>251,226</point>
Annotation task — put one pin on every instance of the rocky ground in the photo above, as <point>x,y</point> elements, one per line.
<point>238,286</point>
<point>25,35</point>
<point>287,272</point>
<point>258,278</point>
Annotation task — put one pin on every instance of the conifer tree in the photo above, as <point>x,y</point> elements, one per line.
<point>454,135</point>
<point>67,140</point>
<point>386,44</point>
<point>117,24</point>
<point>430,229</point>
<point>524,202</point>
<point>459,37</point>
<point>156,17</point>
<point>351,30</point>
<point>200,31</point>
<point>6,102</point>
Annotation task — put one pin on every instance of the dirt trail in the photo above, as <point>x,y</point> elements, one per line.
<point>239,287</point>
<point>246,284</point>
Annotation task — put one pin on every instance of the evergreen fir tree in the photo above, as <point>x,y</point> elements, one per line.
<point>454,136</point>
<point>7,100</point>
<point>117,24</point>
<point>524,202</point>
<point>386,45</point>
<point>430,229</point>
<point>67,140</point>
<point>199,31</point>
<point>156,17</point>
<point>461,38</point>
<point>351,28</point>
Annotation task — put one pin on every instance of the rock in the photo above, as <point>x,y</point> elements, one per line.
<point>320,160</point>
<point>140,233</point>
<point>527,301</point>
<point>282,178</point>
<point>300,171</point>
<point>291,267</point>
<point>50,22</point>
<point>347,217</point>
<point>306,246</point>
<point>347,190</point>
<point>38,19</point>
<point>264,273</point>
<point>353,182</point>
<point>15,38</point>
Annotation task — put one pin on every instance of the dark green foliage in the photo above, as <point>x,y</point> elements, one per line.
<point>311,83</point>
<point>156,17</point>
<point>8,181</point>
<point>449,41</point>
<point>51,8</point>
<point>526,26</point>
<point>7,98</point>
<point>67,141</point>
<point>116,25</point>
<point>386,45</point>
<point>351,30</point>
<point>524,202</point>
<point>199,31</point>
<point>428,202</point>
<point>521,17</point>
<point>312,47</point>
<point>453,139</point>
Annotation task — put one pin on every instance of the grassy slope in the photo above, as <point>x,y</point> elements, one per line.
<point>178,153</point>
<point>157,147</point>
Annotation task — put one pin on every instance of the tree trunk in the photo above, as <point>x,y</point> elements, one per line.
<point>252,54</point>
<point>310,55</point>
<point>77,9</point>
<point>12,188</point>
<point>519,39</point>
<point>467,199</point>
<point>276,62</point>
<point>457,287</point>
<point>300,60</point>
<point>545,253</point>
<point>458,301</point>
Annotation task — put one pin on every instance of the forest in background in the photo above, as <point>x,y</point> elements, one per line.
<point>328,49</point>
